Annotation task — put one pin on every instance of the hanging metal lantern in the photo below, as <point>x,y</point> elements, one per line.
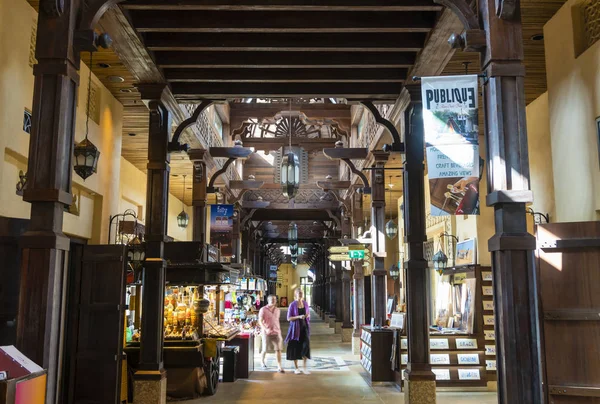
<point>183,219</point>
<point>293,234</point>
<point>290,175</point>
<point>440,260</point>
<point>86,158</point>
<point>391,229</point>
<point>86,153</point>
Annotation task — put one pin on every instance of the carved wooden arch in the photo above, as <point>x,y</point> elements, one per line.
<point>397,144</point>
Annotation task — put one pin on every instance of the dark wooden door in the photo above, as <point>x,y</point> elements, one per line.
<point>97,371</point>
<point>568,259</point>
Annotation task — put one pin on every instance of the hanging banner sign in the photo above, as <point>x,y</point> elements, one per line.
<point>221,229</point>
<point>450,118</point>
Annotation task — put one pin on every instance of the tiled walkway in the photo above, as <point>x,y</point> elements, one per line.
<point>337,376</point>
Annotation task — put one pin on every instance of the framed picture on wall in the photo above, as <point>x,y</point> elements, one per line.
<point>466,253</point>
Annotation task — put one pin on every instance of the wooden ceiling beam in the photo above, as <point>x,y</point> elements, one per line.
<point>275,144</point>
<point>195,91</point>
<point>281,21</point>
<point>319,59</point>
<point>284,5</point>
<point>285,74</point>
<point>332,42</point>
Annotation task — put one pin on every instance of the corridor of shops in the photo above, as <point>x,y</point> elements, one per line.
<point>336,376</point>
<point>426,173</point>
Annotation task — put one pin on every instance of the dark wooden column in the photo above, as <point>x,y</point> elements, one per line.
<point>199,195</point>
<point>337,300</point>
<point>419,367</point>
<point>515,294</point>
<point>378,220</point>
<point>40,322</point>
<point>359,274</point>
<point>346,322</point>
<point>157,208</point>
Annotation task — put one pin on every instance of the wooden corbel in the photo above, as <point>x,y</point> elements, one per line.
<point>397,145</point>
<point>347,155</point>
<point>92,11</point>
<point>335,219</point>
<point>247,218</point>
<point>174,145</point>
<point>232,154</point>
<point>473,38</point>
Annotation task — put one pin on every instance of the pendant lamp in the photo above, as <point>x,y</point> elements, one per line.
<point>183,219</point>
<point>85,152</point>
<point>290,168</point>
<point>391,228</point>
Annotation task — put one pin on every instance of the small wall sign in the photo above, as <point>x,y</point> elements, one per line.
<point>440,359</point>
<point>468,359</point>
<point>490,364</point>
<point>488,320</point>
<point>488,305</point>
<point>490,350</point>
<point>468,374</point>
<point>490,335</point>
<point>466,343</point>
<point>488,291</point>
<point>486,276</point>
<point>441,374</point>
<point>436,343</point>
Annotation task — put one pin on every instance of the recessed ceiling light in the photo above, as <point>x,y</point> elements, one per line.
<point>126,90</point>
<point>115,79</point>
<point>175,175</point>
<point>189,187</point>
<point>103,65</point>
<point>537,37</point>
<point>133,134</point>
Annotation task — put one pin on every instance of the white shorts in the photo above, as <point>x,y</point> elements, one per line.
<point>274,342</point>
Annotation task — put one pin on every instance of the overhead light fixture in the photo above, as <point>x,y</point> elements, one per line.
<point>293,234</point>
<point>391,228</point>
<point>85,152</point>
<point>115,79</point>
<point>183,219</point>
<point>440,261</point>
<point>290,169</point>
<point>537,37</point>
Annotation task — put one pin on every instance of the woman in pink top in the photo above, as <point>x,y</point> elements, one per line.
<point>268,318</point>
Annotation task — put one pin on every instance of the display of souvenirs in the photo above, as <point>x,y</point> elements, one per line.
<point>222,331</point>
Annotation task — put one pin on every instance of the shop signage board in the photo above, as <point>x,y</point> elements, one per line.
<point>357,254</point>
<point>338,249</point>
<point>339,257</point>
<point>221,228</point>
<point>450,119</point>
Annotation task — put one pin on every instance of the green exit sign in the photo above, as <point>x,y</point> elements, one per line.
<point>356,254</point>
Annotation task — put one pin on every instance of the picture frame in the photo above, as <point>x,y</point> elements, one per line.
<point>466,252</point>
<point>397,321</point>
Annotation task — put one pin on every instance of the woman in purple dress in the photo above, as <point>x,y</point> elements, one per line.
<point>298,336</point>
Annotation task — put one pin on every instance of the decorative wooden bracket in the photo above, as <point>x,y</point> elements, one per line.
<point>86,39</point>
<point>397,145</point>
<point>330,185</point>
<point>347,155</point>
<point>335,219</point>
<point>174,145</point>
<point>463,11</point>
<point>473,38</point>
<point>232,154</point>
<point>247,218</point>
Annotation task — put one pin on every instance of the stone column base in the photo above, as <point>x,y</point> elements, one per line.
<point>419,392</point>
<point>338,327</point>
<point>332,322</point>
<point>355,345</point>
<point>347,334</point>
<point>150,387</point>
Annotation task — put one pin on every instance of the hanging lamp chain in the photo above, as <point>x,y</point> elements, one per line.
<point>89,98</point>
<point>183,199</point>
<point>290,128</point>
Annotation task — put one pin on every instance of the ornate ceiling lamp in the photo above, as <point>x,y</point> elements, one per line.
<point>183,219</point>
<point>391,228</point>
<point>290,169</point>
<point>86,153</point>
<point>293,234</point>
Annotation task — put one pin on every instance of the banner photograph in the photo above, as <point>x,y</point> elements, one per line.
<point>221,229</point>
<point>450,118</point>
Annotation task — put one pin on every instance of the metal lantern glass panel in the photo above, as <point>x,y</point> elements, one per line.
<point>394,272</point>
<point>86,158</point>
<point>290,175</point>
<point>136,251</point>
<point>183,219</point>
<point>391,229</point>
<point>293,234</point>
<point>440,261</point>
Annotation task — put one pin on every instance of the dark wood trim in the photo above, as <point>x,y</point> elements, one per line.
<point>572,315</point>
<point>568,244</point>
<point>574,391</point>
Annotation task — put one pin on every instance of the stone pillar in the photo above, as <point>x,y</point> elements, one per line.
<point>40,322</point>
<point>150,382</point>
<point>378,222</point>
<point>515,291</point>
<point>420,380</point>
